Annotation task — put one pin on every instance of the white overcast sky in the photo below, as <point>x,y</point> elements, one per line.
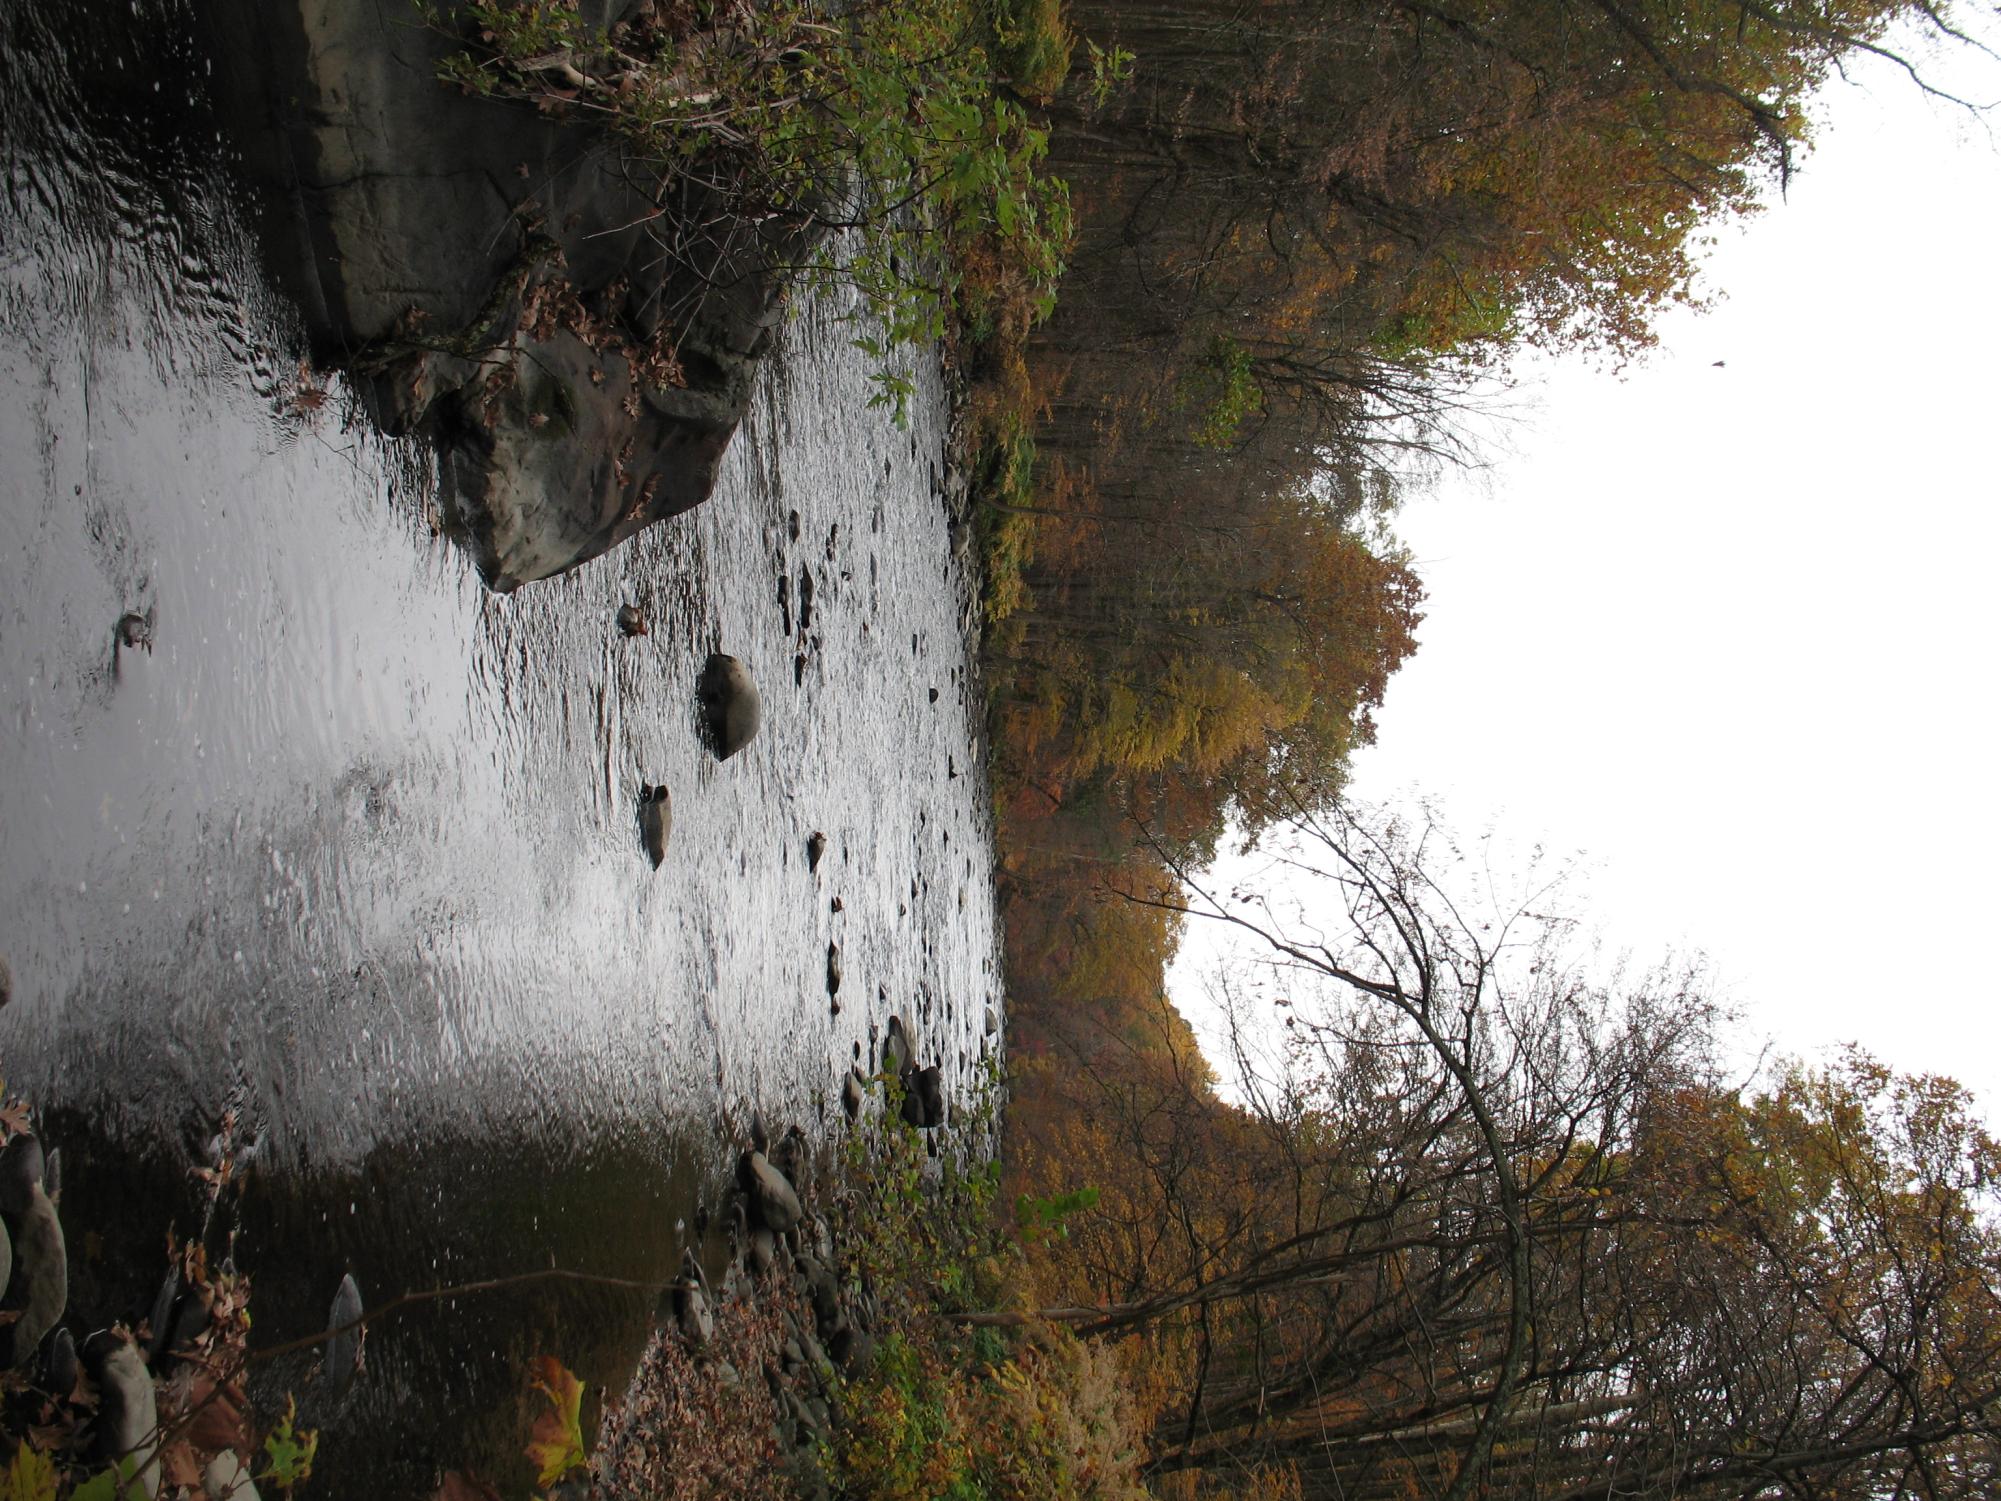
<point>1732,634</point>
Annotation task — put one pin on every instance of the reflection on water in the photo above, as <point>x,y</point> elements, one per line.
<point>352,850</point>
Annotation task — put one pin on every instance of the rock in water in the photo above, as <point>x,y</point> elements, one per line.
<point>833,969</point>
<point>773,1203</point>
<point>927,1088</point>
<point>691,1304</point>
<point>39,1285</point>
<point>127,1413</point>
<point>896,1049</point>
<point>851,1094</point>
<point>343,1354</point>
<point>161,1317</point>
<point>656,822</point>
<point>816,846</point>
<point>136,631</point>
<point>62,1364</point>
<point>731,709</point>
<point>631,621</point>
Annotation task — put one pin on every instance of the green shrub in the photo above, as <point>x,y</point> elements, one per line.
<point>1032,45</point>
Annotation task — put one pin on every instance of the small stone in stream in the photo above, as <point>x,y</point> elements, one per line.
<point>833,969</point>
<point>927,1087</point>
<point>163,1310</point>
<point>792,526</point>
<point>834,905</point>
<point>773,1202</point>
<point>656,822</point>
<point>731,709</point>
<point>691,1304</point>
<point>343,1348</point>
<point>136,630</point>
<point>799,668</point>
<point>62,1363</point>
<point>934,695</point>
<point>816,846</point>
<point>896,1049</point>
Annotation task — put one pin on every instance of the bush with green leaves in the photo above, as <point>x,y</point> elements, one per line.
<point>1013,1409</point>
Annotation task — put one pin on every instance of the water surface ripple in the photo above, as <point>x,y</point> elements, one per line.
<point>352,852</point>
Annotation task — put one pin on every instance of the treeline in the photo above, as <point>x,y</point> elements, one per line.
<point>1305,233</point>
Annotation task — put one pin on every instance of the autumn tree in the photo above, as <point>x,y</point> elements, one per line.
<point>1488,1224</point>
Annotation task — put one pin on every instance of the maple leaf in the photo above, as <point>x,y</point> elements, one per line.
<point>289,1451</point>
<point>31,1477</point>
<point>14,1116</point>
<point>557,1445</point>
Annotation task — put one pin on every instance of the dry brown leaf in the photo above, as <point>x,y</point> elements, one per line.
<point>459,1487</point>
<point>178,1465</point>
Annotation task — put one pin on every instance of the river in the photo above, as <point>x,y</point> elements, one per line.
<point>348,861</point>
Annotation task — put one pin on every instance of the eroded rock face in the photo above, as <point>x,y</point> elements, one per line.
<point>493,278</point>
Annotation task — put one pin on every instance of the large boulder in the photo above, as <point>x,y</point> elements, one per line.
<point>495,277</point>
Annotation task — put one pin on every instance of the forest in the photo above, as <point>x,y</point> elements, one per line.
<point>1491,1225</point>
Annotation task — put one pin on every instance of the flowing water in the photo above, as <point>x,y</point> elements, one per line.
<point>350,858</point>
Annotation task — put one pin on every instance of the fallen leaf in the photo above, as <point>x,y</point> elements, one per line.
<point>31,1477</point>
<point>216,1416</point>
<point>557,1441</point>
<point>458,1487</point>
<point>179,1466</point>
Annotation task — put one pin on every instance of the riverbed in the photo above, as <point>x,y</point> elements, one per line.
<point>337,874</point>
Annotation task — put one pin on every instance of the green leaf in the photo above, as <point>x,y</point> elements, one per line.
<point>289,1452</point>
<point>31,1477</point>
<point>557,1445</point>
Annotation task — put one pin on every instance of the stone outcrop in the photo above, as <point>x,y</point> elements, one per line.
<point>494,279</point>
